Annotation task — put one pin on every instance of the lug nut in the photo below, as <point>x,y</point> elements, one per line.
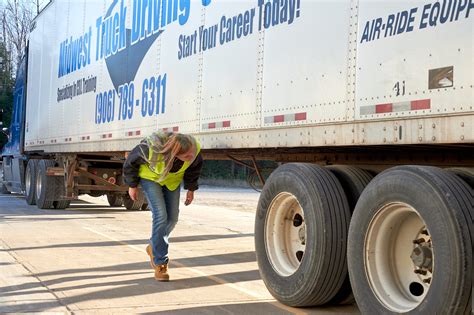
<point>427,280</point>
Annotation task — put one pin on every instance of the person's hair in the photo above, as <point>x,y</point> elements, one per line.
<point>166,147</point>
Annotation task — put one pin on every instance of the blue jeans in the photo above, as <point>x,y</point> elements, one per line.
<point>164,205</point>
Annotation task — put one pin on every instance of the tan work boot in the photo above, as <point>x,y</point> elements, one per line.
<point>149,251</point>
<point>161,273</point>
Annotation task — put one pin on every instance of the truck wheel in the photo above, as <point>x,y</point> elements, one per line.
<point>465,173</point>
<point>30,182</point>
<point>61,204</point>
<point>301,233</point>
<point>3,188</point>
<point>410,243</point>
<point>115,200</point>
<point>134,205</point>
<point>44,185</point>
<point>353,181</point>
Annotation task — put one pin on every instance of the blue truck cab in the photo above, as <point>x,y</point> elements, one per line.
<point>13,155</point>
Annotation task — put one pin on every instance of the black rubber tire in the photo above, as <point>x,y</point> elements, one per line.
<point>43,196</point>
<point>445,203</point>
<point>52,187</point>
<point>115,200</point>
<point>465,173</point>
<point>353,181</point>
<point>326,213</point>
<point>61,204</point>
<point>134,205</point>
<point>31,170</point>
<point>3,188</point>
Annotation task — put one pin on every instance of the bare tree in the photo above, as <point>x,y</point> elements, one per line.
<point>16,20</point>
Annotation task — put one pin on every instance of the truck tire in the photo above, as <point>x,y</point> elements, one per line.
<point>3,188</point>
<point>30,182</point>
<point>49,188</point>
<point>301,233</point>
<point>134,205</point>
<point>465,173</point>
<point>115,200</point>
<point>61,204</point>
<point>353,181</point>
<point>410,243</point>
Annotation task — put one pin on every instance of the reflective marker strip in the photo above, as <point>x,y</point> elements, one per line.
<point>421,104</point>
<point>285,118</point>
<point>171,129</point>
<point>215,125</point>
<point>396,107</point>
<point>133,133</point>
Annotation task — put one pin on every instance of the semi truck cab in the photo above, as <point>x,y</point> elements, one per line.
<point>13,157</point>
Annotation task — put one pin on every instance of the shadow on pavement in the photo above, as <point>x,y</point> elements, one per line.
<point>121,289</point>
<point>195,238</point>
<point>238,308</point>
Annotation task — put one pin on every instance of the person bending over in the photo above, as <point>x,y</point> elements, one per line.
<point>159,164</point>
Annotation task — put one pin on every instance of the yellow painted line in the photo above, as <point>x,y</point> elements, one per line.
<point>203,274</point>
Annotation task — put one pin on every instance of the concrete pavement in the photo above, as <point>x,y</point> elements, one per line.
<point>91,258</point>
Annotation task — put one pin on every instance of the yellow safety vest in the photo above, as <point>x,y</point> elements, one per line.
<point>172,180</point>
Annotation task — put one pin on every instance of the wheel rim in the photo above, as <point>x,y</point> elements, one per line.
<point>28,181</point>
<point>285,234</point>
<point>39,184</point>
<point>399,257</point>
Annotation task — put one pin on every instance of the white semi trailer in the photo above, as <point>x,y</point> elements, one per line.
<point>367,104</point>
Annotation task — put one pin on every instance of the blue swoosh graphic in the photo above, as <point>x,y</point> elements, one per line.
<point>124,65</point>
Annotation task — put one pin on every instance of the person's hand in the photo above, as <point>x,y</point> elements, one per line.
<point>133,193</point>
<point>189,198</point>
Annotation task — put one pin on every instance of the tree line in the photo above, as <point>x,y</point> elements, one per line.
<point>15,20</point>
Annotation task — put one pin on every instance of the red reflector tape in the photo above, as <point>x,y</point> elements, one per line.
<point>278,118</point>
<point>396,107</point>
<point>286,118</point>
<point>421,104</point>
<point>383,108</point>
<point>216,125</point>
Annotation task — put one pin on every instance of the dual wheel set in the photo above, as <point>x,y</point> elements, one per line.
<point>48,191</point>
<point>399,242</point>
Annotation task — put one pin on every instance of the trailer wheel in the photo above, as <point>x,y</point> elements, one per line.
<point>3,188</point>
<point>410,243</point>
<point>30,182</point>
<point>134,205</point>
<point>301,233</point>
<point>465,173</point>
<point>115,200</point>
<point>61,204</point>
<point>353,181</point>
<point>44,185</point>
